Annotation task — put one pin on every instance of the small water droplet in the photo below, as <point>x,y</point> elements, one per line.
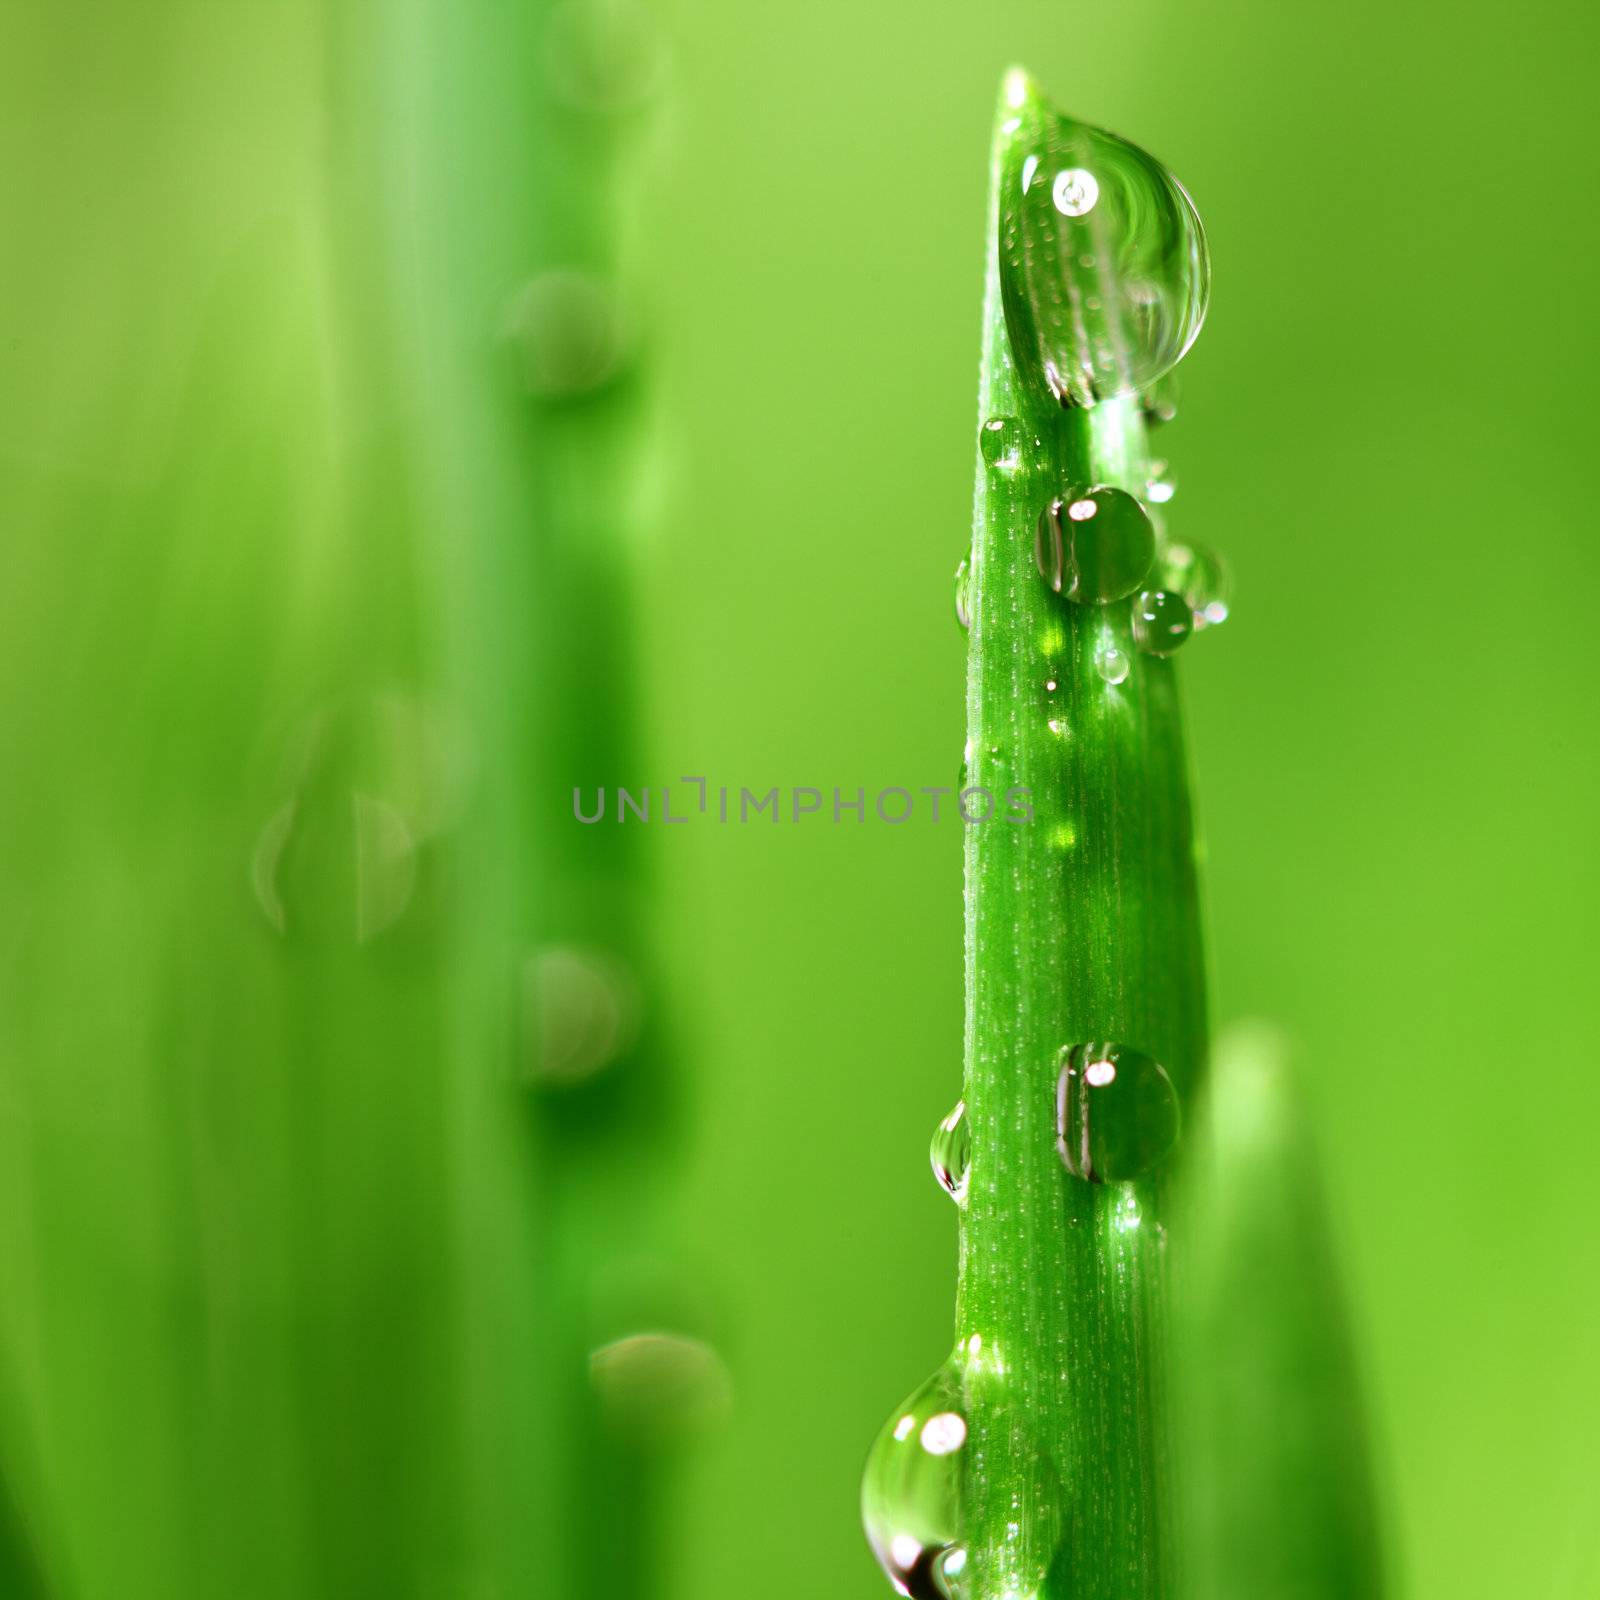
<point>914,1489</point>
<point>1159,485</point>
<point>1116,1112</point>
<point>568,334</point>
<point>1198,573</point>
<point>1159,402</point>
<point>338,858</point>
<point>1093,197</point>
<point>1000,441</point>
<point>580,1013</point>
<point>964,593</point>
<point>950,1153</point>
<point>656,1386</point>
<point>1161,621</point>
<point>1095,545</point>
<point>1111,663</point>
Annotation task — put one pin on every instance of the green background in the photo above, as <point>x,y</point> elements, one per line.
<point>1387,429</point>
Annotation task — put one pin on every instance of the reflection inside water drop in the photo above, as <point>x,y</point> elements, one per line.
<point>913,1492</point>
<point>1116,1112</point>
<point>1095,545</point>
<point>1104,269</point>
<point>950,1152</point>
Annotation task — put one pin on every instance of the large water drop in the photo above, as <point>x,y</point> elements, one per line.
<point>1095,545</point>
<point>1000,442</point>
<point>913,1492</point>
<point>1103,271</point>
<point>964,593</point>
<point>1116,1112</point>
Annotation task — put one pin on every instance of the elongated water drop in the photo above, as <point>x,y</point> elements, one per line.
<point>964,593</point>
<point>1116,1112</point>
<point>1161,621</point>
<point>1000,440</point>
<point>1197,573</point>
<point>950,1153</point>
<point>913,1491</point>
<point>1095,545</point>
<point>1103,268</point>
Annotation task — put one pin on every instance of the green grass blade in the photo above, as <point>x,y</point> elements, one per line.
<point>1082,925</point>
<point>1276,1463</point>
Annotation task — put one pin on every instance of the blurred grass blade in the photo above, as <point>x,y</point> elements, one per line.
<point>1275,1459</point>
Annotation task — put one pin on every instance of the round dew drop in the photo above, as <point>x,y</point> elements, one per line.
<point>950,1153</point>
<point>1117,1113</point>
<point>1000,443</point>
<point>913,1491</point>
<point>1161,621</point>
<point>1111,663</point>
<point>1095,545</point>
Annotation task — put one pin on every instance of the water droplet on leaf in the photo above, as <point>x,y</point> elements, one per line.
<point>1095,545</point>
<point>1116,1112</point>
<point>1118,324</point>
<point>1110,662</point>
<point>1161,621</point>
<point>1000,441</point>
<point>1159,486</point>
<point>950,1152</point>
<point>914,1489</point>
<point>964,593</point>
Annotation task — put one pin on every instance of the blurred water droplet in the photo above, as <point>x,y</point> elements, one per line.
<point>1116,1112</point>
<point>386,865</point>
<point>1198,574</point>
<point>1120,322</point>
<point>950,1153</point>
<point>1159,485</point>
<point>1111,663</point>
<point>580,1014</point>
<point>604,56</point>
<point>1000,440</point>
<point>655,1386</point>
<point>964,593</point>
<point>914,1489</point>
<point>368,780</point>
<point>568,334</point>
<point>1161,621</point>
<point>1159,402</point>
<point>1095,545</point>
